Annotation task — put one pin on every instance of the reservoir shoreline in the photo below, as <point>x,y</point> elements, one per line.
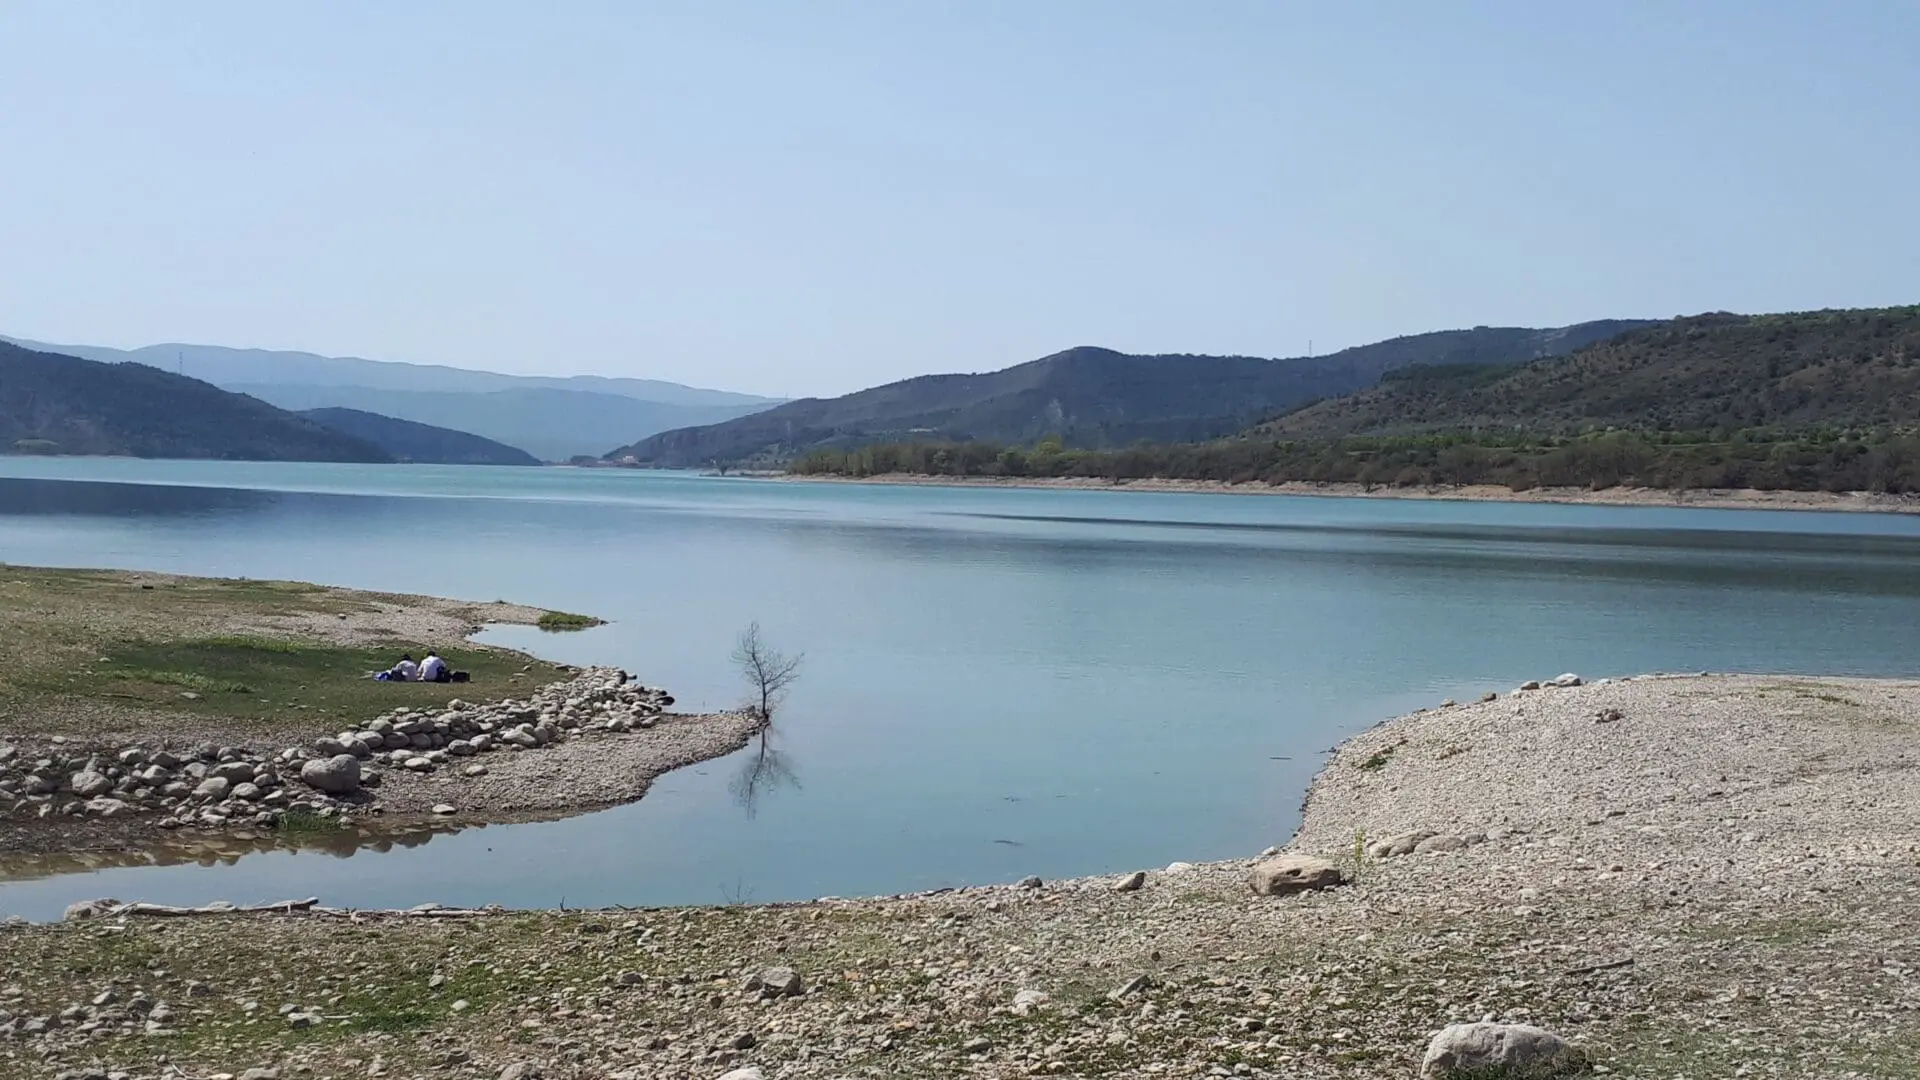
<point>1702,499</point>
<point>1698,873</point>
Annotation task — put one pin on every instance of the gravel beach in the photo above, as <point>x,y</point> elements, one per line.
<point>1698,877</point>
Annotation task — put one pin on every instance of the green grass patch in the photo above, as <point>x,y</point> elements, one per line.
<point>560,621</point>
<point>251,680</point>
<point>191,680</point>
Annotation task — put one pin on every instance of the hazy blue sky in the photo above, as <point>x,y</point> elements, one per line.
<point>801,198</point>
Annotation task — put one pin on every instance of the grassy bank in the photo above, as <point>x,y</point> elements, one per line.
<point>90,652</point>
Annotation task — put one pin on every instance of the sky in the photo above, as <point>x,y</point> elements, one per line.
<point>805,199</point>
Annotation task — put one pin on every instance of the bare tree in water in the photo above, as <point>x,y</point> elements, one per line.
<point>767,671</point>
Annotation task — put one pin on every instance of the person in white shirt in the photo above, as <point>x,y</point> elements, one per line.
<point>433,669</point>
<point>406,670</point>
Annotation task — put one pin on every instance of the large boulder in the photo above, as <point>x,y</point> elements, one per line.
<point>776,982</point>
<point>107,808</point>
<point>1284,875</point>
<point>234,772</point>
<point>212,789</point>
<point>1519,1051</point>
<point>337,775</point>
<point>90,784</point>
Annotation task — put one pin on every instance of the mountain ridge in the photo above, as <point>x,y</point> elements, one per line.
<point>553,425</point>
<point>1092,397</point>
<point>56,404</point>
<point>1711,372</point>
<point>554,417</point>
<point>220,364</point>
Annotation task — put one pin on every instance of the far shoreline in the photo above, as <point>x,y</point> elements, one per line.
<point>1692,499</point>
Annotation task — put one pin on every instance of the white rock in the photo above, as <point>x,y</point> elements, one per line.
<point>1026,1001</point>
<point>1286,874</point>
<point>443,808</point>
<point>1486,1049</point>
<point>89,784</point>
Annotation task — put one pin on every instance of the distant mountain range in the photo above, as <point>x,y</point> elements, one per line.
<point>404,440</point>
<point>56,404</point>
<point>1094,398</point>
<point>1714,372</point>
<point>553,425</point>
<point>550,417</point>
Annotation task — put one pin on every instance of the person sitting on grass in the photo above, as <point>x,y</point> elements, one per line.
<point>404,671</point>
<point>434,669</point>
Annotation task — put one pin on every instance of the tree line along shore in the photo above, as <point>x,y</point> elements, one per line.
<point>1828,461</point>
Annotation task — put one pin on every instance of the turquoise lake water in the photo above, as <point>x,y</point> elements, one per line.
<point>997,682</point>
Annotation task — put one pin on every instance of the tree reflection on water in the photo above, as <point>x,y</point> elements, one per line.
<point>766,770</point>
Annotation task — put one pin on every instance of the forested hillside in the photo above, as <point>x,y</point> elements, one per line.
<point>1093,398</point>
<point>1826,400</point>
<point>1709,373</point>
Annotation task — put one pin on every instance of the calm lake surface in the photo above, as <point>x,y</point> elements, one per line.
<point>997,682</point>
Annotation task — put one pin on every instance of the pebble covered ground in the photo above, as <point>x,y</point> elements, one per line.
<point>1688,877</point>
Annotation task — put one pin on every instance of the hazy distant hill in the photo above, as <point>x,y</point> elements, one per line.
<point>1858,368</point>
<point>221,365</point>
<point>1094,398</point>
<point>54,404</point>
<point>552,425</point>
<point>405,440</point>
<point>551,417</point>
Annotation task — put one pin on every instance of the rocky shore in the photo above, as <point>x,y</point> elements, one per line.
<point>1687,876</point>
<point>591,741</point>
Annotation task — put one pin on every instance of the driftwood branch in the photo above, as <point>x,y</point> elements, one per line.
<point>309,906</point>
<point>219,908</point>
<point>1608,966</point>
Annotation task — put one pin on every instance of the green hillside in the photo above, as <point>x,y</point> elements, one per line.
<point>1709,373</point>
<point>1826,400</point>
<point>52,404</point>
<point>421,443</point>
<point>1092,398</point>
